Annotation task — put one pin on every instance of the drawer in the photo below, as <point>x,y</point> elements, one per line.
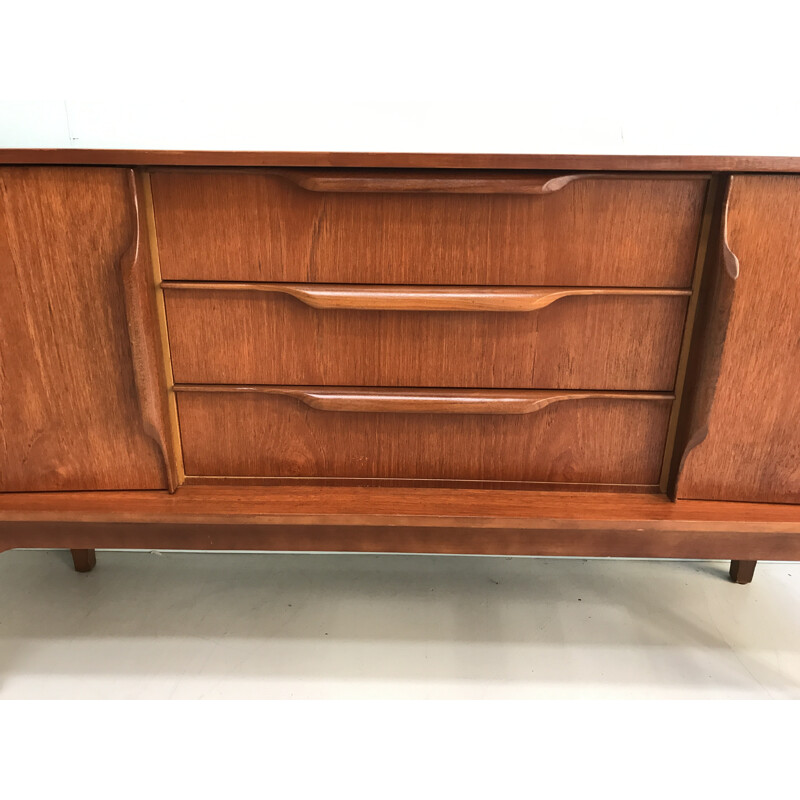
<point>425,336</point>
<point>428,227</point>
<point>313,432</point>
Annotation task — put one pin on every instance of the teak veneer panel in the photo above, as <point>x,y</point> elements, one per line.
<point>240,433</point>
<point>597,231</point>
<point>69,409</point>
<point>752,450</point>
<point>602,342</point>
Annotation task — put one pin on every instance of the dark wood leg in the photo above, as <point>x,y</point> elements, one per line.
<point>84,560</point>
<point>742,571</point>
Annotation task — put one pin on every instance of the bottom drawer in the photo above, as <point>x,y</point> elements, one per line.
<point>311,432</point>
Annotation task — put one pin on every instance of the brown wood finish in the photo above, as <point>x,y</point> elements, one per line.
<point>716,292</point>
<point>752,450</point>
<point>84,560</point>
<point>524,290</point>
<point>445,181</point>
<point>612,540</point>
<point>742,571</point>
<point>69,415</point>
<point>160,322</point>
<point>296,158</point>
<point>253,433</point>
<point>421,401</point>
<point>585,342</point>
<point>358,297</point>
<point>425,483</point>
<point>143,330</point>
<point>670,451</point>
<point>354,506</point>
<point>253,226</point>
<point>435,181</point>
<point>397,520</point>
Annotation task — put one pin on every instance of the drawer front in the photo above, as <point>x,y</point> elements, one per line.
<point>258,336</point>
<point>521,229</point>
<point>308,433</point>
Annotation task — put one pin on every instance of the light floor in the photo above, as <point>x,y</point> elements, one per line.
<point>189,625</point>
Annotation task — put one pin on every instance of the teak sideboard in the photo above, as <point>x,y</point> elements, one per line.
<point>537,355</point>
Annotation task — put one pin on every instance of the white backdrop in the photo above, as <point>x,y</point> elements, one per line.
<point>706,78</point>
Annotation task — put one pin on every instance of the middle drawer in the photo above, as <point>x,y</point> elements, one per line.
<point>425,336</point>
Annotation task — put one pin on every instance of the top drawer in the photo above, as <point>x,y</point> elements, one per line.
<point>428,227</point>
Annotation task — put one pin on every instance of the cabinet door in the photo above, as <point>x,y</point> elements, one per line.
<point>752,449</point>
<point>70,416</point>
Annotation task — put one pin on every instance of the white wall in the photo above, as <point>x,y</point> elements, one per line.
<point>708,78</point>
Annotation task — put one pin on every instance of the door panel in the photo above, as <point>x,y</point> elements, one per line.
<point>69,414</point>
<point>752,449</point>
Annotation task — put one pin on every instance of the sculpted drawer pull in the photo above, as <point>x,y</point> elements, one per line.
<point>425,401</point>
<point>729,259</point>
<point>425,298</point>
<point>446,181</point>
<point>431,181</point>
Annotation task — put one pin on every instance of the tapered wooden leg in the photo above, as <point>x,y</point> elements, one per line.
<point>742,571</point>
<point>84,560</point>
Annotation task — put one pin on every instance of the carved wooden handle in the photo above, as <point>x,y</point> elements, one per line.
<point>425,401</point>
<point>715,303</point>
<point>443,181</point>
<point>425,298</point>
<point>141,315</point>
<point>729,259</point>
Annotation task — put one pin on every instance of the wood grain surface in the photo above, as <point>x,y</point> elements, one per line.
<point>435,181</point>
<point>343,505</point>
<point>69,414</point>
<point>376,297</point>
<point>648,540</point>
<point>680,422</point>
<point>396,520</point>
<point>298,158</point>
<point>252,226</point>
<point>715,294</point>
<point>216,481</point>
<point>423,401</point>
<point>256,434</point>
<point>602,342</point>
<point>177,475</point>
<point>73,312</point>
<point>752,451</point>
<point>140,293</point>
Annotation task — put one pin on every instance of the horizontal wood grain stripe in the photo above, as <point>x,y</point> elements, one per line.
<point>422,298</point>
<point>746,541</point>
<point>343,505</point>
<point>256,158</point>
<point>423,483</point>
<point>425,401</point>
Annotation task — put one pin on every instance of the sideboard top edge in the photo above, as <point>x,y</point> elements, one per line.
<point>207,158</point>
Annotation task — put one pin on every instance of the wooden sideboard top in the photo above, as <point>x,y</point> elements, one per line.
<point>243,158</point>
